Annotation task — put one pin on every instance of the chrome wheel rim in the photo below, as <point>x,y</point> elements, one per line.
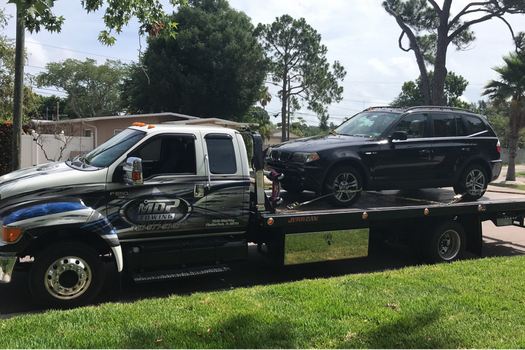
<point>475,184</point>
<point>68,278</point>
<point>449,244</point>
<point>345,187</point>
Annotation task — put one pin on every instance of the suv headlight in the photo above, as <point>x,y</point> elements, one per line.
<point>304,157</point>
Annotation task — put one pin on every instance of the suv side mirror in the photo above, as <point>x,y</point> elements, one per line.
<point>398,135</point>
<point>133,171</point>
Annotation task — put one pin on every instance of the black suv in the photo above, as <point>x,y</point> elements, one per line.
<point>386,148</point>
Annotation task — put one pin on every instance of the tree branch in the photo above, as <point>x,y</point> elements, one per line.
<point>466,10</point>
<point>467,24</point>
<point>435,5</point>
<point>400,42</point>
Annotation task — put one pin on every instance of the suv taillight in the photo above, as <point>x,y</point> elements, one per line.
<point>498,147</point>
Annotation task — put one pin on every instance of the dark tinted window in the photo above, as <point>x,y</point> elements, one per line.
<point>222,154</point>
<point>168,154</point>
<point>472,125</point>
<point>444,125</point>
<point>414,125</point>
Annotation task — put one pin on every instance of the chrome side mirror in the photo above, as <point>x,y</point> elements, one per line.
<point>133,171</point>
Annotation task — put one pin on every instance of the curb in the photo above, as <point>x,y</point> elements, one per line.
<point>509,191</point>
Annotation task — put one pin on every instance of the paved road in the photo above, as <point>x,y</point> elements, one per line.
<point>503,241</point>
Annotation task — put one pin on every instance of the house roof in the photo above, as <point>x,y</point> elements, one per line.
<point>176,116</point>
<point>213,121</point>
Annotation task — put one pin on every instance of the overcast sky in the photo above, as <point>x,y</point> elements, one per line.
<point>358,33</point>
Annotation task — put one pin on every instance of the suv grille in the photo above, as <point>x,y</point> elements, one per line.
<point>280,156</point>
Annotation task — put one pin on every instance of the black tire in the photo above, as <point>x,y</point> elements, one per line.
<point>446,243</point>
<point>340,179</point>
<point>473,182</point>
<point>292,188</point>
<point>65,275</point>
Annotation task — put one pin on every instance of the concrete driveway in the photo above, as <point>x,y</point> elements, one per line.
<point>502,241</point>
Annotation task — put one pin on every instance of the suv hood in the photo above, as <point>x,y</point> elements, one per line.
<point>320,143</point>
<point>50,177</point>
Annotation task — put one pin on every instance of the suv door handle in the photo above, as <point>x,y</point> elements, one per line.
<point>465,149</point>
<point>425,152</point>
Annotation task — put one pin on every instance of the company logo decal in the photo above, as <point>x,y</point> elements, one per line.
<point>162,210</point>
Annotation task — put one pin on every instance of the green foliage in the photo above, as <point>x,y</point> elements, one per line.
<point>411,94</point>
<point>300,67</point>
<point>213,68</point>
<point>93,90</point>
<point>117,14</point>
<point>469,304</point>
<point>510,88</point>
<point>6,135</point>
<point>258,115</point>
<point>51,105</point>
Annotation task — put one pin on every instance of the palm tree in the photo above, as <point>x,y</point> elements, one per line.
<point>511,87</point>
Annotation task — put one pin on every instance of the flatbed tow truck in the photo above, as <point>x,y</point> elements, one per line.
<point>196,211</point>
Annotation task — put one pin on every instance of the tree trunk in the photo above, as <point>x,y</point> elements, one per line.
<point>440,65</point>
<point>515,124</point>
<point>19,87</point>
<point>284,109</point>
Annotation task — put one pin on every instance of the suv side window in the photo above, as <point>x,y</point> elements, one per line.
<point>472,125</point>
<point>221,154</point>
<point>415,125</point>
<point>444,125</point>
<point>168,154</point>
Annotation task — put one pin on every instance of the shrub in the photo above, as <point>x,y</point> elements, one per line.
<point>6,132</point>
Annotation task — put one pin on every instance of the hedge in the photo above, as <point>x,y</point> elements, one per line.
<point>6,134</point>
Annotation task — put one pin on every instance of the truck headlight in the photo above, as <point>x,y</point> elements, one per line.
<point>304,157</point>
<point>11,234</point>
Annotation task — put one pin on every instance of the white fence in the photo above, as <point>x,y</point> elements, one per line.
<point>49,151</point>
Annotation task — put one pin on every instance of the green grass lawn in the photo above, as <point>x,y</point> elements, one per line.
<point>470,304</point>
<point>515,186</point>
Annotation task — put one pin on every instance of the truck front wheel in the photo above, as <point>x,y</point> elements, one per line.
<point>67,274</point>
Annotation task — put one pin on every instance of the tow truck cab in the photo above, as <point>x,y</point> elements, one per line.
<point>154,197</point>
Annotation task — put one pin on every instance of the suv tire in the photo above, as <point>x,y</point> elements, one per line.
<point>346,183</point>
<point>66,275</point>
<point>473,182</point>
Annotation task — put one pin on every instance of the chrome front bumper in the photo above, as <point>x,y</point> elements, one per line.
<point>7,264</point>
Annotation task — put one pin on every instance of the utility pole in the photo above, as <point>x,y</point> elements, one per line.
<point>18,97</point>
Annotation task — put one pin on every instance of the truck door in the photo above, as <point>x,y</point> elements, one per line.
<point>227,199</point>
<point>166,205</point>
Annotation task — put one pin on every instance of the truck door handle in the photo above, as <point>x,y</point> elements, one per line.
<point>427,153</point>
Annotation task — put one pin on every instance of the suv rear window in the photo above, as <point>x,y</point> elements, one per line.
<point>472,125</point>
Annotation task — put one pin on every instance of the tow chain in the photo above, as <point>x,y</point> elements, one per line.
<point>295,205</point>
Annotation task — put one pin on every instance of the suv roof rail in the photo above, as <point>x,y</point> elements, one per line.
<point>381,107</point>
<point>439,107</point>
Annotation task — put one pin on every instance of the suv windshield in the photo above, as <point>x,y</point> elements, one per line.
<point>105,154</point>
<point>367,124</point>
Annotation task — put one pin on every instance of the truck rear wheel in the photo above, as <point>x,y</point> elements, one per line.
<point>67,274</point>
<point>445,244</point>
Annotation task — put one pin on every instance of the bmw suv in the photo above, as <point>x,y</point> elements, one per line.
<point>387,148</point>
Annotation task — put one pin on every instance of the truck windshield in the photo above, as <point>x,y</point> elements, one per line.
<point>367,124</point>
<point>105,154</point>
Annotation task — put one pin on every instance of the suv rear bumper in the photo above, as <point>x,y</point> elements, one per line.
<point>495,167</point>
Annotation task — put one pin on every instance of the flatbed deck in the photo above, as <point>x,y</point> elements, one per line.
<point>384,206</point>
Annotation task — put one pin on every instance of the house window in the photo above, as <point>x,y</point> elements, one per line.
<point>117,131</point>
<point>88,133</point>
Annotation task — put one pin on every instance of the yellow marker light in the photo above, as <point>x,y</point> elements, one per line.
<point>151,126</point>
<point>365,215</point>
<point>426,212</point>
<point>139,124</point>
<point>270,221</point>
<point>11,234</point>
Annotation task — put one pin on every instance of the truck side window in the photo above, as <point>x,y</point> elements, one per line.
<point>168,154</point>
<point>221,153</point>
